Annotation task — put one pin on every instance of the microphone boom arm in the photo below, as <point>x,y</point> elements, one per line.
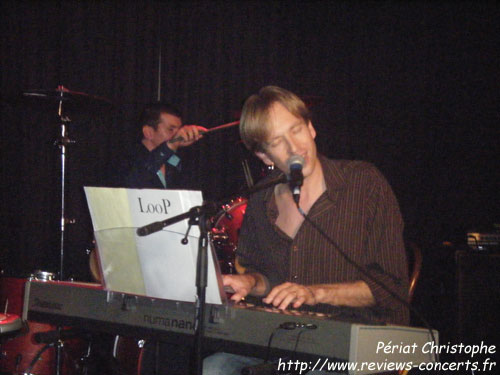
<point>159,225</point>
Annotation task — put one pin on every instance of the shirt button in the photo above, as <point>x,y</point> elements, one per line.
<point>295,277</point>
<point>295,248</point>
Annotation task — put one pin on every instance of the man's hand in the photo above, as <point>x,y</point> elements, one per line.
<point>283,295</point>
<point>187,135</point>
<point>354,294</point>
<point>241,284</point>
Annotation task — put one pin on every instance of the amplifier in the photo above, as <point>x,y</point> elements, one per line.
<point>483,241</point>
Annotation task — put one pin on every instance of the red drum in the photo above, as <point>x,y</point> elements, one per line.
<point>18,351</point>
<point>225,232</point>
<point>128,353</point>
<point>10,323</point>
<point>11,295</point>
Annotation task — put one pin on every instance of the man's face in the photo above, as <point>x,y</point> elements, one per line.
<point>289,136</point>
<point>167,128</point>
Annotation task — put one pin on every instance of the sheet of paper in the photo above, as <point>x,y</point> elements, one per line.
<point>157,265</point>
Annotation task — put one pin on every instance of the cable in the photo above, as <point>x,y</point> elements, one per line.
<point>267,367</point>
<point>268,352</point>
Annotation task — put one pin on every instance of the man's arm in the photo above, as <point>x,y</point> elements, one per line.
<point>353,294</point>
<point>186,136</point>
<point>388,262</point>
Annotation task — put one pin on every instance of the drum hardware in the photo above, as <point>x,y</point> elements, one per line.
<point>61,95</point>
<point>37,357</point>
<point>128,353</point>
<point>21,353</point>
<point>225,233</point>
<point>53,339</point>
<point>10,323</point>
<point>43,275</point>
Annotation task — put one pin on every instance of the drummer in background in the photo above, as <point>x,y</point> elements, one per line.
<point>154,162</point>
<point>285,261</point>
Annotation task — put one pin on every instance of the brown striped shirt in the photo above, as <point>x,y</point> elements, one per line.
<point>360,213</point>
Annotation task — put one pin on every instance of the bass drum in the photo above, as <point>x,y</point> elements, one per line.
<point>128,353</point>
<point>225,233</point>
<point>19,351</point>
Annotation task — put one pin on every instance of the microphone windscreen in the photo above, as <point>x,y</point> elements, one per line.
<point>295,162</point>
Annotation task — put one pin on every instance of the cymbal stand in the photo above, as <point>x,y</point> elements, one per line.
<point>62,142</point>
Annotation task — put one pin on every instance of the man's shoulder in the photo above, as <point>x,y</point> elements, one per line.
<point>342,172</point>
<point>348,166</point>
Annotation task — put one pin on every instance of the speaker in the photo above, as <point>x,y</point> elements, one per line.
<point>478,294</point>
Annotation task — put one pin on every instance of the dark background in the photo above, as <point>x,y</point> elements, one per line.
<point>411,86</point>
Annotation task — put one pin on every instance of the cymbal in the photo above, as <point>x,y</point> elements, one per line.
<point>63,94</point>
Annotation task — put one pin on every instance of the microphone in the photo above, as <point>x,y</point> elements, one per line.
<point>295,178</point>
<point>146,230</point>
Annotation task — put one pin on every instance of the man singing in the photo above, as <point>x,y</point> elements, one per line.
<point>284,259</point>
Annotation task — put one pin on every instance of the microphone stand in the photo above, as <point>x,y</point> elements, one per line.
<point>198,215</point>
<point>201,286</point>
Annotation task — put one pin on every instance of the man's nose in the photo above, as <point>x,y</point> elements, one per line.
<point>291,146</point>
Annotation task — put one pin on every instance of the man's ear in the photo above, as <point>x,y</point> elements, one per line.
<point>311,129</point>
<point>147,132</point>
<point>263,156</point>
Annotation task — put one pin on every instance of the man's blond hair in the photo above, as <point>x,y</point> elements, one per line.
<point>254,121</point>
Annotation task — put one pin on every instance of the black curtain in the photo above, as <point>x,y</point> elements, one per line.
<point>412,87</point>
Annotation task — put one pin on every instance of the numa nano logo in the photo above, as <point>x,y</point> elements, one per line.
<point>169,323</point>
<point>47,304</point>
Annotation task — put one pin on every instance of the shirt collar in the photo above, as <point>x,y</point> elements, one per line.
<point>335,177</point>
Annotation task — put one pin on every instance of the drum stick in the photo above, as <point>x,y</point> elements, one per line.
<point>212,130</point>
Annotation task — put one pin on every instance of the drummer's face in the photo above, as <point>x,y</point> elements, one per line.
<point>167,128</point>
<point>289,135</point>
